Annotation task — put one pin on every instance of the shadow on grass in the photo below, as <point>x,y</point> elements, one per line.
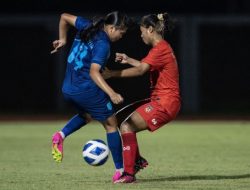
<point>190,178</point>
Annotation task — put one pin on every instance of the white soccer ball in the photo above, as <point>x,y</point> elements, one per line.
<point>95,152</point>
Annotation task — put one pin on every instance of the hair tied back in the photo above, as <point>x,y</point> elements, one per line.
<point>160,17</point>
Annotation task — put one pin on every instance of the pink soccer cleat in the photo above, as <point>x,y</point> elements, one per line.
<point>140,164</point>
<point>126,178</point>
<point>116,176</point>
<point>57,147</point>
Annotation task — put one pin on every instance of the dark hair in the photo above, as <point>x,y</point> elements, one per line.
<point>119,20</point>
<point>160,22</point>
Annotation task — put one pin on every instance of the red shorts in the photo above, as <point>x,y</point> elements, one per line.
<point>154,115</point>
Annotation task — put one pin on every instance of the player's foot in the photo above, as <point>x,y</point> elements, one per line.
<point>57,147</point>
<point>126,178</point>
<point>140,164</point>
<point>116,176</point>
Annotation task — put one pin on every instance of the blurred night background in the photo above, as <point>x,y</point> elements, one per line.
<point>211,41</point>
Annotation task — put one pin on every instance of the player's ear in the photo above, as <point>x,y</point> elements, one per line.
<point>150,29</point>
<point>112,28</point>
<point>109,28</point>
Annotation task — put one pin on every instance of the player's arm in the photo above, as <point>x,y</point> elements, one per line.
<point>124,59</point>
<point>66,21</point>
<point>98,79</point>
<point>130,72</point>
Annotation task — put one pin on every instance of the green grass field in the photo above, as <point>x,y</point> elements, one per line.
<point>182,155</point>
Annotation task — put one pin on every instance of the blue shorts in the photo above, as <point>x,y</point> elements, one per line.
<point>94,102</point>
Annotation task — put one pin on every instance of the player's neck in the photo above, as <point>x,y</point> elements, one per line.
<point>156,40</point>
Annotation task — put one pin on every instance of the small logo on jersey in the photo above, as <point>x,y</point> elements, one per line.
<point>148,109</point>
<point>109,106</point>
<point>154,121</point>
<point>126,148</point>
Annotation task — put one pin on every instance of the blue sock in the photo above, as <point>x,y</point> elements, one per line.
<point>115,146</point>
<point>74,124</point>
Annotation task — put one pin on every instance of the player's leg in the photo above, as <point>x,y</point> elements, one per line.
<point>150,116</point>
<point>140,161</point>
<point>130,146</point>
<point>101,109</point>
<point>75,123</point>
<point>115,145</point>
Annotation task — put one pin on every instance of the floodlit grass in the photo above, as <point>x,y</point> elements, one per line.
<point>182,155</point>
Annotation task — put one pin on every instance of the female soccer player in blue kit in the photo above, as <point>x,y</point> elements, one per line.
<point>84,85</point>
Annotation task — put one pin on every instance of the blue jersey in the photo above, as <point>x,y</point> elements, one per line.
<point>82,54</point>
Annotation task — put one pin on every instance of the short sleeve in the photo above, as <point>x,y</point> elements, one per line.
<point>158,56</point>
<point>100,52</point>
<point>152,58</point>
<point>82,23</point>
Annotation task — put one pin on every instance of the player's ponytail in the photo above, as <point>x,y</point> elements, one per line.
<point>160,22</point>
<point>87,34</point>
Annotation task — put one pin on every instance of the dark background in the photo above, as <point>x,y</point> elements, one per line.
<point>177,6</point>
<point>211,42</point>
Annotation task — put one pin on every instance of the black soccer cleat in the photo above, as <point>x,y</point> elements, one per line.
<point>140,164</point>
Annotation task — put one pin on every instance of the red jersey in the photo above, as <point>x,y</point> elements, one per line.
<point>164,76</point>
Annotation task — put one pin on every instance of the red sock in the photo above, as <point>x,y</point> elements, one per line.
<point>130,148</point>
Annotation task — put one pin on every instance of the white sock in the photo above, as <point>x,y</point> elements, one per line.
<point>62,134</point>
<point>121,170</point>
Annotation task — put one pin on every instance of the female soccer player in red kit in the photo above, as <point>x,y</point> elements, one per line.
<point>165,95</point>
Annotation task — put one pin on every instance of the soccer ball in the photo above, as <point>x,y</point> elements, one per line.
<point>95,152</point>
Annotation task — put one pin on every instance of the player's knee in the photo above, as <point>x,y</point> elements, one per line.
<point>126,128</point>
<point>86,117</point>
<point>110,128</point>
<point>110,125</point>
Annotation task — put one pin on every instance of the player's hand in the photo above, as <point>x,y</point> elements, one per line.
<point>106,73</point>
<point>116,98</point>
<point>121,58</point>
<point>57,44</point>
